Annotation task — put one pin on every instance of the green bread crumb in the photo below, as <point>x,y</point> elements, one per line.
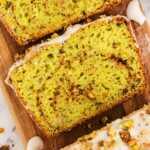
<point>94,69</point>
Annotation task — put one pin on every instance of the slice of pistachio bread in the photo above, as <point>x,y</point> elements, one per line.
<point>63,84</point>
<point>129,133</point>
<point>28,20</point>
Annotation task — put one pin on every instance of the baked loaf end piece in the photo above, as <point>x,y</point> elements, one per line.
<point>97,67</point>
<point>28,20</point>
<point>129,133</point>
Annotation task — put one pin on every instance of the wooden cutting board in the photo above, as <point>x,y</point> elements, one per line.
<point>27,128</point>
<point>23,122</point>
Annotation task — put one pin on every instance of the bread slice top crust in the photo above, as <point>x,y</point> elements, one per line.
<point>130,133</point>
<point>28,20</point>
<point>63,84</point>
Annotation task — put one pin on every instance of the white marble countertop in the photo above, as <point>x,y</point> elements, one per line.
<point>10,136</point>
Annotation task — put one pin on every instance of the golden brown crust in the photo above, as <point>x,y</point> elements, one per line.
<point>106,8</point>
<point>140,91</point>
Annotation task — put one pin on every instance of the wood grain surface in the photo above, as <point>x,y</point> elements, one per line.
<point>27,128</point>
<point>23,122</point>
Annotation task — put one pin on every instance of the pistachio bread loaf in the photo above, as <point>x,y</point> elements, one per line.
<point>129,133</point>
<point>28,20</point>
<point>93,69</point>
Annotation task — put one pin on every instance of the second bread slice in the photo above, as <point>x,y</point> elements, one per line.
<point>63,84</point>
